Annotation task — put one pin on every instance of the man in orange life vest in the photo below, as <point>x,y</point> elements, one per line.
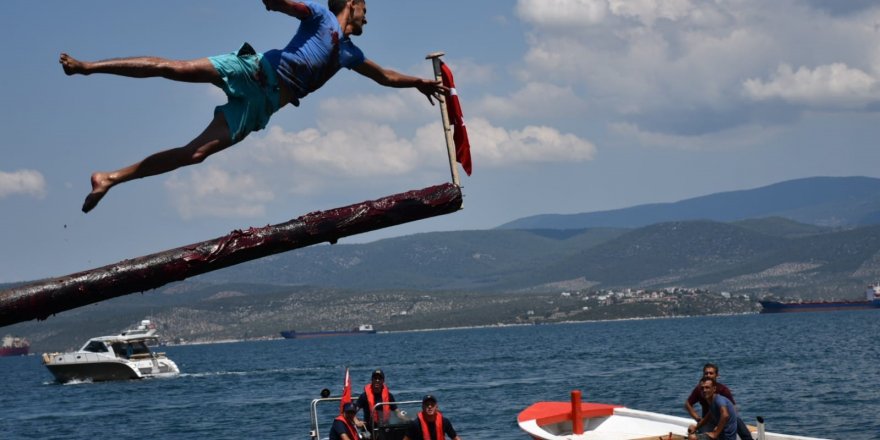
<point>430,425</point>
<point>344,426</point>
<point>377,392</point>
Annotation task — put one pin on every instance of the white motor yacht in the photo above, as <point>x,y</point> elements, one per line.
<point>119,357</point>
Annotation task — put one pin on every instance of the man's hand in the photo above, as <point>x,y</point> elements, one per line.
<point>433,89</point>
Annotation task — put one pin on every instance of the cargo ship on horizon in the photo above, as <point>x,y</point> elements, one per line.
<point>366,329</point>
<point>872,301</point>
<point>13,346</point>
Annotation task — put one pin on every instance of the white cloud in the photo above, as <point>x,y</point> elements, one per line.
<point>400,105</point>
<point>546,99</point>
<point>640,60</point>
<point>214,192</point>
<point>499,147</point>
<point>471,72</point>
<point>649,11</point>
<point>363,149</point>
<point>22,182</point>
<point>828,85</point>
<point>736,137</point>
<point>562,12</point>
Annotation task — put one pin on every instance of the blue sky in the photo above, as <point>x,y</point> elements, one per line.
<point>572,106</point>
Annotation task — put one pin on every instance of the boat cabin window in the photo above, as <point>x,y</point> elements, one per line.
<point>129,349</point>
<point>139,347</point>
<point>121,350</point>
<point>95,347</point>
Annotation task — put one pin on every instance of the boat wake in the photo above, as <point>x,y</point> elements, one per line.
<point>72,382</point>
<point>269,372</point>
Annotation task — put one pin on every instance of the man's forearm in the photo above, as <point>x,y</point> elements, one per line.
<point>690,409</point>
<point>720,426</point>
<point>292,8</point>
<point>399,80</point>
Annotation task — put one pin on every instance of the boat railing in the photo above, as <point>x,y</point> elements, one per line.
<point>395,425</point>
<point>315,432</point>
<point>379,431</point>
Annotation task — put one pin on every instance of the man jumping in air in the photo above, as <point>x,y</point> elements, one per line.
<point>256,84</point>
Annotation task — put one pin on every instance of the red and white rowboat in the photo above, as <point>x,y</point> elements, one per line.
<point>576,420</point>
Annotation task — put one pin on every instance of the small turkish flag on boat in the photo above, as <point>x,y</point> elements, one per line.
<point>346,392</point>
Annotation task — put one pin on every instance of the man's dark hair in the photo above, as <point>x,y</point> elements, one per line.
<point>710,379</point>
<point>712,366</point>
<point>336,6</point>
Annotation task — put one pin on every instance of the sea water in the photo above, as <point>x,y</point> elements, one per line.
<point>813,374</point>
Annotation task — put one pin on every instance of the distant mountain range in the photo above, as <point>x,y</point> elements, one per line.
<point>760,256</point>
<point>824,201</point>
<point>811,237</point>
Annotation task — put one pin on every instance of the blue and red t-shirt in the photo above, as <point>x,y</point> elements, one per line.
<point>317,51</point>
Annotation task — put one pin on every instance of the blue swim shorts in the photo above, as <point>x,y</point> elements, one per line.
<point>252,88</point>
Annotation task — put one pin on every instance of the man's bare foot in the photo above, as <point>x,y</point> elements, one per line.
<point>72,65</point>
<point>100,185</point>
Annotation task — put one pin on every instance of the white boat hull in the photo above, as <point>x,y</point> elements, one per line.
<point>548,421</point>
<point>98,368</point>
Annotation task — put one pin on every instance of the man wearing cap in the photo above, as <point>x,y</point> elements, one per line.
<point>430,425</point>
<point>374,393</point>
<point>344,425</point>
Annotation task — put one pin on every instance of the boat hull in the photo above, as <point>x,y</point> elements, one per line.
<point>13,351</point>
<point>823,306</point>
<point>291,334</point>
<point>92,367</point>
<point>556,421</point>
<point>96,372</point>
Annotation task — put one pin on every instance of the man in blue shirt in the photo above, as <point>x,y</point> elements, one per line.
<point>257,84</point>
<point>721,412</point>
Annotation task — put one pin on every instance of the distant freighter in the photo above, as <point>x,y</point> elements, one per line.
<point>14,346</point>
<point>365,329</point>
<point>872,301</point>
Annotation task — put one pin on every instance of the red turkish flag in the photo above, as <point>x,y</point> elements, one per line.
<point>346,391</point>
<point>456,118</point>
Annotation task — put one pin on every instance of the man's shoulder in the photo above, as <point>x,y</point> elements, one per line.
<point>319,10</point>
<point>722,389</point>
<point>720,399</point>
<point>338,426</point>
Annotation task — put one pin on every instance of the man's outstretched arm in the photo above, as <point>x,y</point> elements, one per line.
<point>391,78</point>
<point>292,8</point>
